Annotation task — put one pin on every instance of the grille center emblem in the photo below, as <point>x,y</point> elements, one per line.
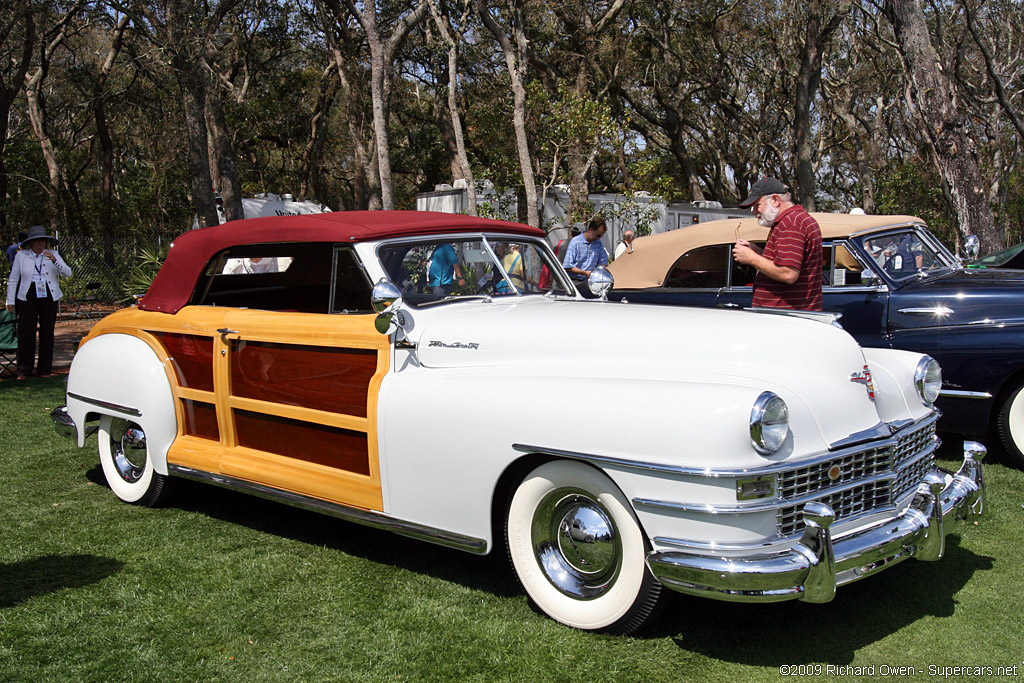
<point>834,472</point>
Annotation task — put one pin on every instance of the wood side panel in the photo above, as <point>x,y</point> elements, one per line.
<point>303,477</point>
<point>334,380</point>
<point>199,454</point>
<point>192,358</point>
<point>327,446</point>
<point>200,419</point>
<point>355,424</point>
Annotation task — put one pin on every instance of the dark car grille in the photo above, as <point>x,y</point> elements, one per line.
<point>895,469</point>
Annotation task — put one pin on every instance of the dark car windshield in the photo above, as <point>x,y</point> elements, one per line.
<point>907,253</point>
<point>1001,257</point>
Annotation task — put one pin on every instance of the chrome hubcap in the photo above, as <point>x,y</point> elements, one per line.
<point>576,544</point>
<point>128,448</point>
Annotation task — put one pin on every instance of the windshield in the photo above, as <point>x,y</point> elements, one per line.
<point>1001,257</point>
<point>429,271</point>
<point>903,254</point>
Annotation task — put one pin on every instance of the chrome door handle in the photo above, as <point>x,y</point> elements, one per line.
<point>225,330</point>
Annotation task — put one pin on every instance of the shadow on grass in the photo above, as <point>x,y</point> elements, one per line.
<point>490,573</point>
<point>796,632</point>
<point>20,581</point>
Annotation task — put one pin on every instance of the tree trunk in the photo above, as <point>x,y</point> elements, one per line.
<point>193,97</point>
<point>107,182</point>
<point>515,61</point>
<point>220,144</point>
<point>9,91</point>
<point>934,100</point>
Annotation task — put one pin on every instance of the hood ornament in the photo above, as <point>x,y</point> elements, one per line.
<point>865,379</point>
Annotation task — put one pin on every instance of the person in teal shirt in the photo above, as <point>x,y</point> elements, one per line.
<point>444,269</point>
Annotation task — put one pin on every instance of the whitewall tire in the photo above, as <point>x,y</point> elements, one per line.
<point>1011,426</point>
<point>578,550</point>
<point>126,462</point>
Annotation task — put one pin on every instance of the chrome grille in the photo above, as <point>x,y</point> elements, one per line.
<point>903,461</point>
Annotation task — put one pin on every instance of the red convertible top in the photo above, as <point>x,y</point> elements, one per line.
<point>189,254</point>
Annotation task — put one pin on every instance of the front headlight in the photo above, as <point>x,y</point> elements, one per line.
<point>928,379</point>
<point>769,423</point>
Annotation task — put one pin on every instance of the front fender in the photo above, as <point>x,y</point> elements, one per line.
<point>123,376</point>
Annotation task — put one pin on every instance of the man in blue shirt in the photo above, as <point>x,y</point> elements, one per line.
<point>444,263</point>
<point>13,249</point>
<point>586,253</point>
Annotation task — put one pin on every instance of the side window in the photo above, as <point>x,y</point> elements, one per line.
<point>741,275</point>
<point>351,287</point>
<point>704,267</point>
<point>269,277</point>
<point>844,270</point>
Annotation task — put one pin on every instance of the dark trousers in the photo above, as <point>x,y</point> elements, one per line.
<point>41,313</point>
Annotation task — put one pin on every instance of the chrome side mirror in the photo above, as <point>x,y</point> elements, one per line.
<point>600,281</point>
<point>870,278</point>
<point>386,300</point>
<point>972,245</point>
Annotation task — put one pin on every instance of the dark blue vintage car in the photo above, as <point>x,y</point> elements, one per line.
<point>895,286</point>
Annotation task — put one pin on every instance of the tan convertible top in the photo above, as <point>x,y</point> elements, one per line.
<point>652,256</point>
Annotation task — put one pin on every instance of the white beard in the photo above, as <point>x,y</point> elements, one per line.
<point>768,216</point>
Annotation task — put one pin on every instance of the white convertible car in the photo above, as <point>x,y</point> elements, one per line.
<point>438,376</point>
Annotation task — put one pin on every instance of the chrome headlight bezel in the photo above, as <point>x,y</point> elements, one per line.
<point>928,380</point>
<point>769,423</point>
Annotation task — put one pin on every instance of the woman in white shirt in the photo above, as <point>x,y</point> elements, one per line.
<point>33,291</point>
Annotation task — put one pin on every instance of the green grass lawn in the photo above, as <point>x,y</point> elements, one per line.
<point>222,586</point>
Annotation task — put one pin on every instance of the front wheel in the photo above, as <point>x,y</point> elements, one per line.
<point>578,550</point>
<point>1011,426</point>
<point>127,464</point>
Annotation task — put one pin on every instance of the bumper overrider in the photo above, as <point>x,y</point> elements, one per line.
<point>812,568</point>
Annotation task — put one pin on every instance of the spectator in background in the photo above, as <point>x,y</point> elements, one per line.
<point>789,266</point>
<point>625,246</point>
<point>444,269</point>
<point>12,250</point>
<point>586,253</point>
<point>33,290</point>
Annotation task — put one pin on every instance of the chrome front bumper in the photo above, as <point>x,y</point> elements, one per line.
<point>812,568</point>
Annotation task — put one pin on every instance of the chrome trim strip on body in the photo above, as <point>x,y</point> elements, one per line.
<point>378,520</point>
<point>879,431</point>
<point>134,412</point>
<point>711,472</point>
<point>934,310</point>
<point>956,393</point>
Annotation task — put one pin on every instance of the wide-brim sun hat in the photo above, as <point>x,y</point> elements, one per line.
<point>38,232</point>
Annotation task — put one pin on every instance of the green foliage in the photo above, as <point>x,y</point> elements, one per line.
<point>141,273</point>
<point>638,214</point>
<point>913,188</point>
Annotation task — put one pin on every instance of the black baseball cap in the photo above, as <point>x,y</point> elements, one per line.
<point>765,186</point>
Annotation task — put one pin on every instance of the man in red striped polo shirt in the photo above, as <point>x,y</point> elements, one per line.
<point>789,266</point>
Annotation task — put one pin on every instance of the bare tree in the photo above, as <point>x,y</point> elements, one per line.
<point>452,37</point>
<point>17,42</point>
<point>822,20</point>
<point>514,43</point>
<point>382,58</point>
<point>933,99</point>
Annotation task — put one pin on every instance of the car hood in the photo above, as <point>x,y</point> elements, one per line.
<point>807,362</point>
<point>961,297</point>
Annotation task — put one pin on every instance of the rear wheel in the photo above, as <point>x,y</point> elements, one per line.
<point>578,550</point>
<point>1011,425</point>
<point>127,465</point>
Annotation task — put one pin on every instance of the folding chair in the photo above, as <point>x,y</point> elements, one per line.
<point>87,304</point>
<point>8,342</point>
